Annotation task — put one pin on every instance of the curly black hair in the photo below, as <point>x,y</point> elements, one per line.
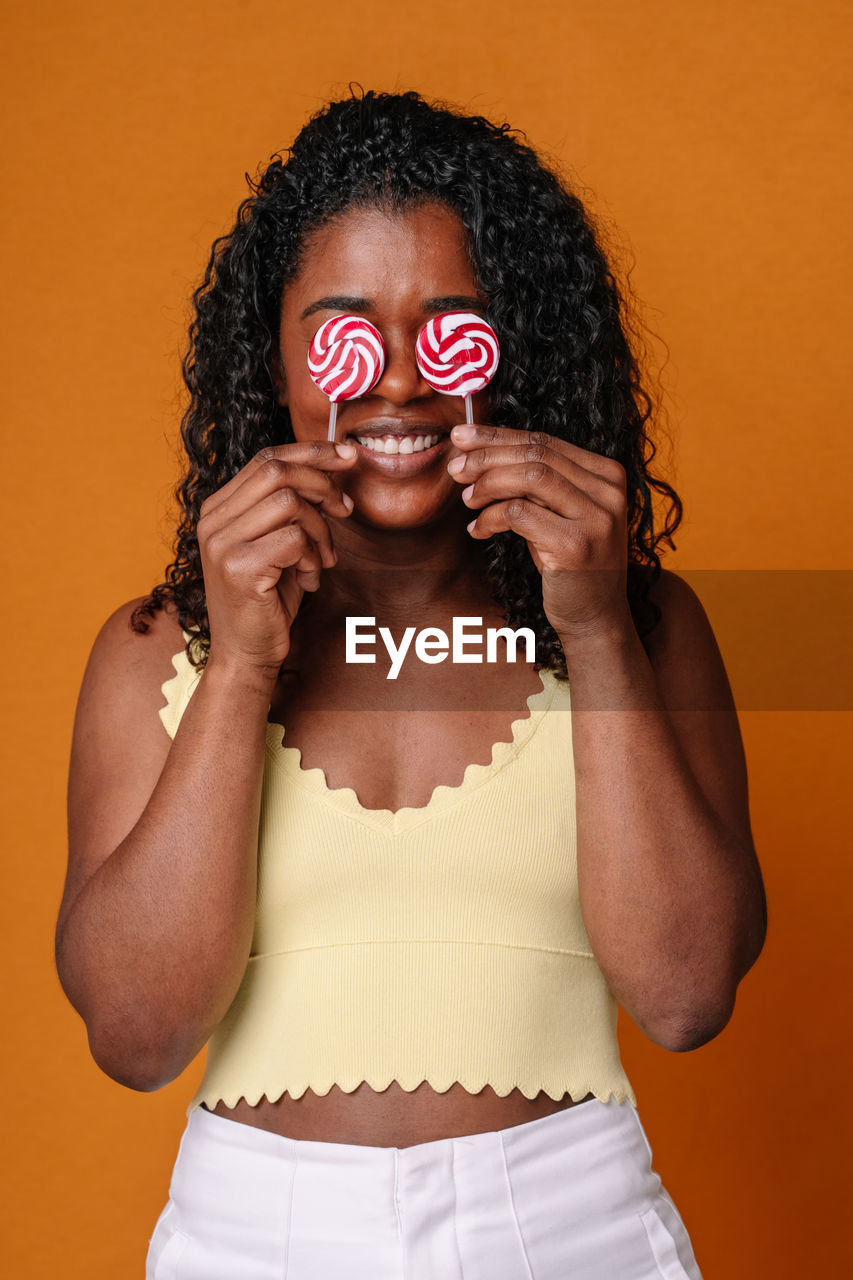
<point>567,366</point>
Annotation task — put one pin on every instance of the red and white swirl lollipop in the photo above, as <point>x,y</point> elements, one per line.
<point>458,355</point>
<point>346,359</point>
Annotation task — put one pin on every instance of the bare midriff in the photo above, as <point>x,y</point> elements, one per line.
<point>395,1117</point>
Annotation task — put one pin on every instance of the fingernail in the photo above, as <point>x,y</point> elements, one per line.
<point>347,500</point>
<point>456,466</point>
<point>466,493</point>
<point>345,450</point>
<point>463,434</point>
<point>470,526</point>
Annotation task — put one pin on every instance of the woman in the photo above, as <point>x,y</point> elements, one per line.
<point>402,911</point>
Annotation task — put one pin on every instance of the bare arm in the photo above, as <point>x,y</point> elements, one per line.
<point>671,890</point>
<point>156,920</point>
<point>155,924</point>
<point>670,887</point>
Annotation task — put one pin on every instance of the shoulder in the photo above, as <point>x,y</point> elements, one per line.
<point>118,639</point>
<point>679,605</point>
<point>118,732</point>
<point>127,668</point>
<point>683,649</point>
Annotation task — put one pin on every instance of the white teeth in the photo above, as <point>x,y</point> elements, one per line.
<point>397,444</point>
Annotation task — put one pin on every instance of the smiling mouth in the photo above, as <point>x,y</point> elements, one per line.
<point>413,443</point>
<point>396,437</point>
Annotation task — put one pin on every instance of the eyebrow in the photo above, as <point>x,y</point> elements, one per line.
<point>362,306</point>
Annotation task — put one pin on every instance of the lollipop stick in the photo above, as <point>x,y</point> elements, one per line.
<point>469,411</point>
<point>333,418</point>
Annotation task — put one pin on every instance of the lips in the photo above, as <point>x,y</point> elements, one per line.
<point>396,438</point>
<point>412,442</point>
<point>397,447</point>
<point>398,427</point>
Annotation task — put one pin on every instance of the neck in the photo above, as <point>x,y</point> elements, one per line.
<point>433,571</point>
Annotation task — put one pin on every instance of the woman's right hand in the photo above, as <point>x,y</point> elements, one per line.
<point>263,540</point>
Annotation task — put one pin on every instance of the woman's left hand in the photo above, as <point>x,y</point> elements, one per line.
<point>570,506</point>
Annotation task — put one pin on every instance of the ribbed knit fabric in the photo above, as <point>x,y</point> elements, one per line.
<point>437,944</point>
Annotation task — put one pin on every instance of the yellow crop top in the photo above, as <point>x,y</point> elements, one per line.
<point>438,944</point>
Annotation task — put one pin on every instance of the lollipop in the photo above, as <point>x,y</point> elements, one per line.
<point>458,353</point>
<point>345,360</point>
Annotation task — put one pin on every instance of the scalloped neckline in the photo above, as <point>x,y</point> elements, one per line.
<point>522,729</point>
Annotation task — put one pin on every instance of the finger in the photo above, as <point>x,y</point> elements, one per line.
<point>534,481</point>
<point>468,467</point>
<point>263,474</point>
<point>308,566</point>
<point>283,507</point>
<point>541,528</point>
<point>477,436</point>
<point>266,559</point>
<point>315,486</point>
<point>290,592</point>
<point>320,456</point>
<point>294,544</point>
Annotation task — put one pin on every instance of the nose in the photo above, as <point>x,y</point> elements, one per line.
<point>402,380</point>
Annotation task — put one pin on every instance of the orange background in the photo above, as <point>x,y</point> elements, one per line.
<point>710,138</point>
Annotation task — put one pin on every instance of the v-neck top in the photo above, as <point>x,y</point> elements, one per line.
<point>442,944</point>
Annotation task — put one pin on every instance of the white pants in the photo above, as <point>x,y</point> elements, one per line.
<point>571,1196</point>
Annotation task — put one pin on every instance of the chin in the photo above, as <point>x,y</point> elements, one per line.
<point>386,520</point>
<point>398,513</point>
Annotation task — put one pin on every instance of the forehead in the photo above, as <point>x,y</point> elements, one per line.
<point>364,250</point>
